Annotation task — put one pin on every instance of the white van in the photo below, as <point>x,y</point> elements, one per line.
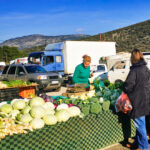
<point>120,69</point>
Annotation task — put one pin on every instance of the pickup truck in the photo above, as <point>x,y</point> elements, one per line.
<point>99,70</point>
<point>33,73</point>
<point>119,71</point>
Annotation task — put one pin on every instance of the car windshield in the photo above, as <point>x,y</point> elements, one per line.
<point>101,68</point>
<point>35,69</point>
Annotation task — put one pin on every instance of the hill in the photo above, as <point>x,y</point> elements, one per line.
<point>38,40</point>
<point>127,38</point>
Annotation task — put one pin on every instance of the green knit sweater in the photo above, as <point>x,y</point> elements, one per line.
<point>81,75</point>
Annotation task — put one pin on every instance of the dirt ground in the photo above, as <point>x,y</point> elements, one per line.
<point>117,146</point>
<point>62,90</point>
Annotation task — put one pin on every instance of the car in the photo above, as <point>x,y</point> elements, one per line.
<point>33,73</point>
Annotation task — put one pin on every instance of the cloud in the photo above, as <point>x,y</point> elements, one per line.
<point>79,30</point>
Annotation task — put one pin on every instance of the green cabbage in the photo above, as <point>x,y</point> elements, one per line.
<point>26,118</point>
<point>14,113</point>
<point>6,108</point>
<point>37,112</point>
<point>49,105</point>
<point>62,106</point>
<point>36,101</point>
<point>50,119</point>
<point>74,111</point>
<point>62,115</point>
<point>19,104</point>
<point>50,111</point>
<point>26,110</point>
<point>37,123</point>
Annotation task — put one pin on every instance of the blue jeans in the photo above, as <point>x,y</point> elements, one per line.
<point>141,135</point>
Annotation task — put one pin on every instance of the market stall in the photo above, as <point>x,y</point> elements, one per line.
<point>87,121</point>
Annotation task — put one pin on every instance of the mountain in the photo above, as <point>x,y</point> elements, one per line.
<point>127,38</point>
<point>38,40</point>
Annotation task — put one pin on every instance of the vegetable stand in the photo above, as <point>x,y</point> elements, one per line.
<point>79,122</point>
<point>92,132</point>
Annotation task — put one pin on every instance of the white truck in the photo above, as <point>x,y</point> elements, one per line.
<point>99,70</point>
<point>121,68</point>
<point>64,57</point>
<point>23,60</point>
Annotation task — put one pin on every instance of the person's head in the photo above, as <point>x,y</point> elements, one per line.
<point>86,60</point>
<point>136,56</point>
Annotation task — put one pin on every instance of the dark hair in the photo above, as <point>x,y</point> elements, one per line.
<point>86,58</point>
<point>136,56</point>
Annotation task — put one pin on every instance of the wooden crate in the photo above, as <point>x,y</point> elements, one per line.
<point>75,94</point>
<point>27,91</point>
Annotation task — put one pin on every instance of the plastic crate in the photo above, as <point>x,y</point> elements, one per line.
<point>9,94</point>
<point>27,92</point>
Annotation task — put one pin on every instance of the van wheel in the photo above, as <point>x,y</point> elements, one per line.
<point>118,81</point>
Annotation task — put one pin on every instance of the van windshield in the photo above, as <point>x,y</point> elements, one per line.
<point>35,58</point>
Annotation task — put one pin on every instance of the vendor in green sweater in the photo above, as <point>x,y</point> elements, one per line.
<point>82,72</point>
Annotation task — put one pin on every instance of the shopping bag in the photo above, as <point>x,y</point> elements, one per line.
<point>123,103</point>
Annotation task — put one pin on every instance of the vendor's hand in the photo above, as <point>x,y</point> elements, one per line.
<point>92,74</point>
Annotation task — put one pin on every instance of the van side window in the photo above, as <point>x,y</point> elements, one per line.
<point>12,70</point>
<point>48,60</point>
<point>58,59</point>
<point>120,65</point>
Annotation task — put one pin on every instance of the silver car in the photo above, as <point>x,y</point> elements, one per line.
<point>33,73</point>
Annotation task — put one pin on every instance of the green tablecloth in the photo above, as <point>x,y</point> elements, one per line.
<point>91,133</point>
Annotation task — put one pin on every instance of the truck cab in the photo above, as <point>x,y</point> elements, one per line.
<point>51,60</point>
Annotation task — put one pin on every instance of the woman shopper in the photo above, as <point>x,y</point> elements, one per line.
<point>137,87</point>
<point>82,72</point>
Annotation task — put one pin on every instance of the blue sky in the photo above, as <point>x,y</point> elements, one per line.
<point>61,17</point>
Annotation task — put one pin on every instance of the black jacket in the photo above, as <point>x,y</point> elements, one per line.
<point>137,87</point>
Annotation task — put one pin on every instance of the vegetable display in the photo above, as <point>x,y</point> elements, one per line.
<point>37,112</point>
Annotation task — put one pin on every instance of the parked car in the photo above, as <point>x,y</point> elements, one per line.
<point>33,73</point>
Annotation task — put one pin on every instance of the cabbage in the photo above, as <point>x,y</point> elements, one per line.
<point>26,118</point>
<point>62,115</point>
<point>50,111</point>
<point>26,110</point>
<point>74,111</point>
<point>49,105</point>
<point>50,119</point>
<point>19,116</point>
<point>99,93</point>
<point>14,113</point>
<point>37,112</point>
<point>62,107</point>
<point>37,123</point>
<point>36,101</point>
<point>14,100</point>
<point>6,108</point>
<point>19,104</point>
<point>101,100</point>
